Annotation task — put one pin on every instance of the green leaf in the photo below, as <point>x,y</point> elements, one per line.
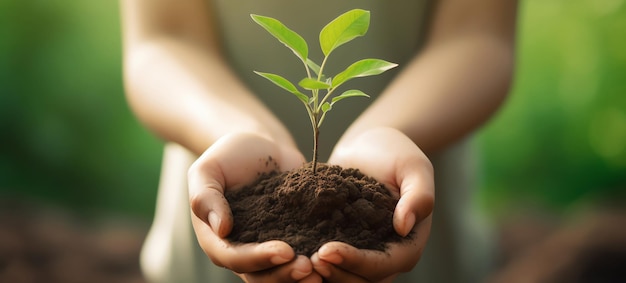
<point>343,29</point>
<point>308,83</point>
<point>284,84</point>
<point>315,67</point>
<point>362,68</point>
<point>348,93</point>
<point>288,37</point>
<point>326,107</point>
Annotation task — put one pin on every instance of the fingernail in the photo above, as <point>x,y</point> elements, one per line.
<point>214,221</point>
<point>409,222</point>
<point>330,255</point>
<point>299,274</point>
<point>278,259</point>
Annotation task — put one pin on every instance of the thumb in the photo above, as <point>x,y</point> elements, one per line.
<point>206,198</point>
<point>417,196</point>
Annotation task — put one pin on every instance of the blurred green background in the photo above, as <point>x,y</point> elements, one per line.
<point>561,138</point>
<point>67,136</point>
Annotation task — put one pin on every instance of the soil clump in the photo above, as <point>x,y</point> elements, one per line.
<point>307,210</point>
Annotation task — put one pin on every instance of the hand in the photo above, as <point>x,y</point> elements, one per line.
<point>231,163</point>
<point>394,160</point>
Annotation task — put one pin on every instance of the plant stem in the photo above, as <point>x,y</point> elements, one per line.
<point>316,120</point>
<point>316,134</point>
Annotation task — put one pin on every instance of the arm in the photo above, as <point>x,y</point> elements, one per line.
<point>458,80</point>
<point>447,91</point>
<point>177,81</point>
<point>180,87</point>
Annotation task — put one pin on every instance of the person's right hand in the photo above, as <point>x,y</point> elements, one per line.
<point>231,163</point>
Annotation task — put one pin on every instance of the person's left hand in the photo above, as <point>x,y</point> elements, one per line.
<point>394,160</point>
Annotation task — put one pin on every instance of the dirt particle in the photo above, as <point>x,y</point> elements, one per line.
<point>307,210</point>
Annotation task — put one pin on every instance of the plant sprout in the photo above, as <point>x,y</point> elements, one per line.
<point>339,31</point>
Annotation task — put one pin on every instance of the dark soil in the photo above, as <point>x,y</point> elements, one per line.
<point>307,210</point>
<point>40,242</point>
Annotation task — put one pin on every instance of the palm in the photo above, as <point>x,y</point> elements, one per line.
<point>233,162</point>
<point>394,160</point>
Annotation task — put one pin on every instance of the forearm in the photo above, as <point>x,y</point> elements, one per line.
<point>457,81</point>
<point>188,95</point>
<point>446,92</point>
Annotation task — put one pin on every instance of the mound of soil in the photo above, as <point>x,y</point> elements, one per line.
<point>307,210</point>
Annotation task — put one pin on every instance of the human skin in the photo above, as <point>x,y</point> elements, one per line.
<point>439,98</point>
<point>180,86</point>
<point>226,166</point>
<point>390,157</point>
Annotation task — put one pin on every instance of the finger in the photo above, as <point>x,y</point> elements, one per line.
<point>231,162</point>
<point>241,258</point>
<point>293,271</point>
<point>331,273</point>
<point>226,165</point>
<point>364,263</point>
<point>377,265</point>
<point>235,160</point>
<point>417,194</point>
<point>206,197</point>
<point>314,277</point>
<point>290,158</point>
<point>212,208</point>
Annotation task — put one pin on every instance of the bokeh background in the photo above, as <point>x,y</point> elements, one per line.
<point>69,143</point>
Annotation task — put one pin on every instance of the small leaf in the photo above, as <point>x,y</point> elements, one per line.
<point>326,107</point>
<point>348,93</point>
<point>288,37</point>
<point>315,67</point>
<point>284,84</point>
<point>362,68</point>
<point>343,29</point>
<point>308,83</point>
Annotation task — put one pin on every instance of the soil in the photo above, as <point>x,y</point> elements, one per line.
<point>307,210</point>
<point>43,242</point>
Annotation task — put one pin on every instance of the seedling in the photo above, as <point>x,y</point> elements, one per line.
<point>339,31</point>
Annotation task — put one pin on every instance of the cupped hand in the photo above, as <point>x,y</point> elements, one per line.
<point>394,160</point>
<point>231,163</point>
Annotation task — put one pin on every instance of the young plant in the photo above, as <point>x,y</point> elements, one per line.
<point>339,31</point>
